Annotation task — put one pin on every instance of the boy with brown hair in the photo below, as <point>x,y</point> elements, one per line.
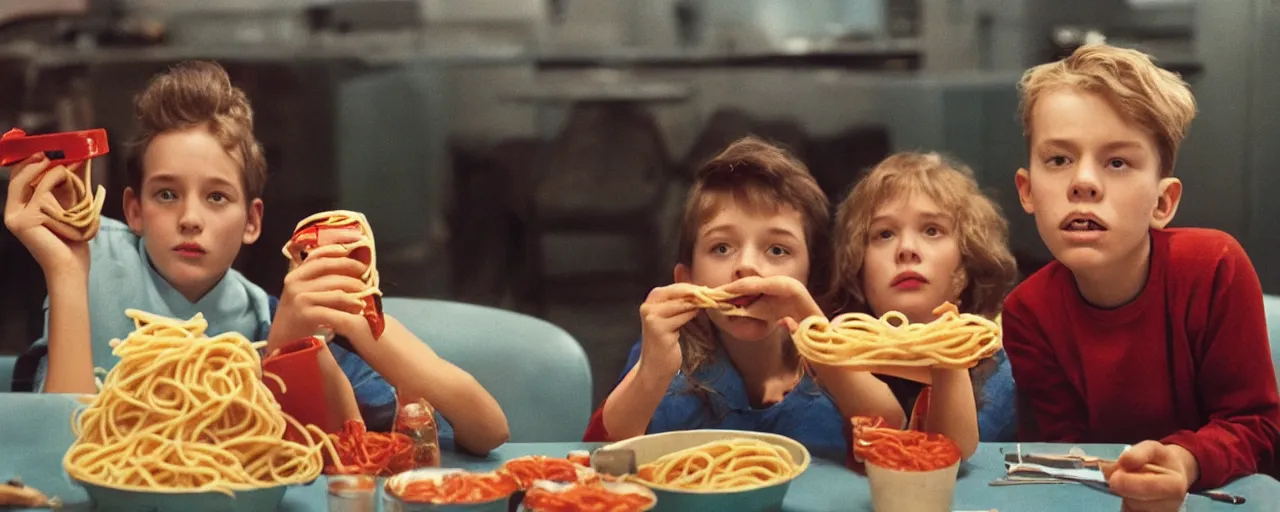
<point>1136,333</point>
<point>194,184</point>
<point>756,225</point>
<point>194,197</point>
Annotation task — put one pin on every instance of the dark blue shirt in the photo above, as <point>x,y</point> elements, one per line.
<point>806,414</point>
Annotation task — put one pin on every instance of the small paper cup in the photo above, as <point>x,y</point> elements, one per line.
<point>912,491</point>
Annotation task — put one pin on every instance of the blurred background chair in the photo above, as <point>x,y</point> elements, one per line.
<point>6,372</point>
<point>538,372</point>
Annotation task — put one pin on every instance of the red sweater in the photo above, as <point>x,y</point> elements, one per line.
<point>1187,362</point>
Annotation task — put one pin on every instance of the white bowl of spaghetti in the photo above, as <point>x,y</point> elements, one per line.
<point>717,469</point>
<point>184,422</point>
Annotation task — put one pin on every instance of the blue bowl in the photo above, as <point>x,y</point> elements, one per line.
<point>759,499</point>
<point>110,499</point>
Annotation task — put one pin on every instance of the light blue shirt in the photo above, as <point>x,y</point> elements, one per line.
<point>121,277</point>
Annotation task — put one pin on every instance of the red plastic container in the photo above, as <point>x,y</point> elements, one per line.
<point>66,147</point>
<point>298,365</point>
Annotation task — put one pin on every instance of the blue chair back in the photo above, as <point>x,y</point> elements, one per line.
<point>6,373</point>
<point>1271,303</point>
<point>538,373</point>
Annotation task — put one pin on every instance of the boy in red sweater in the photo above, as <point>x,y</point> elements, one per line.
<point>1136,333</point>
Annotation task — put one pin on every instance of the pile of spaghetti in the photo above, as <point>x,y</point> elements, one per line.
<point>953,340</point>
<point>361,452</point>
<point>728,465</point>
<point>183,412</point>
<point>453,488</point>
<point>901,450</point>
<point>587,498</point>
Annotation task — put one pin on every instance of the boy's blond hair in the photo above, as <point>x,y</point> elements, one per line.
<point>1143,93</point>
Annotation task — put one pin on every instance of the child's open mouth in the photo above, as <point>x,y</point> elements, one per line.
<point>1082,222</point>
<point>1084,225</point>
<point>745,301</point>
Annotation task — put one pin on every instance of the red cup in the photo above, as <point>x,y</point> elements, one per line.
<point>298,366</point>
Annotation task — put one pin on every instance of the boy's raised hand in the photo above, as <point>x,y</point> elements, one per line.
<point>663,313</point>
<point>318,294</point>
<point>31,213</point>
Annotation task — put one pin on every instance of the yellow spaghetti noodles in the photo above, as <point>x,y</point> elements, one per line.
<point>729,465</point>
<point>953,340</point>
<point>719,300</point>
<point>183,412</point>
<point>85,212</point>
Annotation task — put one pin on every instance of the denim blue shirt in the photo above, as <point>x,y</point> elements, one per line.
<point>997,412</point>
<point>806,414</point>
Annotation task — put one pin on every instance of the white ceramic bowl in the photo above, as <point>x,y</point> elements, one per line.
<point>760,499</point>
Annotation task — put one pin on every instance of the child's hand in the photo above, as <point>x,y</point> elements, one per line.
<point>317,294</point>
<point>663,313</point>
<point>31,211</point>
<point>1147,490</point>
<point>786,299</point>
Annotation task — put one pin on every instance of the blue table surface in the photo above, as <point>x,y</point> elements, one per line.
<point>35,432</point>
